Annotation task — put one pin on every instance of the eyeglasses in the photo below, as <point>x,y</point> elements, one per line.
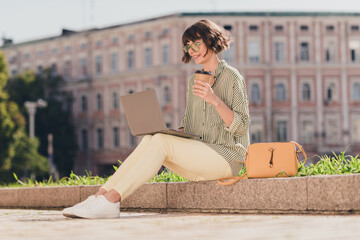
<point>195,46</point>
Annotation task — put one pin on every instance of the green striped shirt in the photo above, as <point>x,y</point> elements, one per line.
<point>202,118</point>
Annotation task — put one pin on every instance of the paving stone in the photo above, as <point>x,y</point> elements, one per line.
<point>334,193</point>
<point>21,224</point>
<point>150,195</point>
<point>48,196</point>
<point>9,197</point>
<point>247,194</point>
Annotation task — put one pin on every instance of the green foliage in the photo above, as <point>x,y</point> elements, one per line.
<point>337,164</point>
<point>166,176</point>
<point>52,119</point>
<point>18,153</point>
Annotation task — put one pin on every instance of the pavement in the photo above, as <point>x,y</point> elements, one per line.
<point>45,224</point>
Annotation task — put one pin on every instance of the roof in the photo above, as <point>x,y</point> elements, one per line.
<point>66,32</point>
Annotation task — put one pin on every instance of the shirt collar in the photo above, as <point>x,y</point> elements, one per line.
<point>220,68</point>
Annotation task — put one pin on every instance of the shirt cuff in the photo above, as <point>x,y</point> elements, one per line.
<point>235,124</point>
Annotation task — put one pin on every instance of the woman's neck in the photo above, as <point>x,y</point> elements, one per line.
<point>212,64</point>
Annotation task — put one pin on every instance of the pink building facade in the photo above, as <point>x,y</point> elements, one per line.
<point>302,72</point>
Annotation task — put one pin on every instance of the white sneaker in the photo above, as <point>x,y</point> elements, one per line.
<point>69,212</point>
<point>99,207</point>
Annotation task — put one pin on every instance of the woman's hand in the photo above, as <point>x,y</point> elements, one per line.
<point>204,90</point>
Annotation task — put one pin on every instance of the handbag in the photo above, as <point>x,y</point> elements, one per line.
<point>268,160</point>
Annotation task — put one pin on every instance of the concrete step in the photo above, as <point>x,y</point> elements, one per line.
<point>331,194</point>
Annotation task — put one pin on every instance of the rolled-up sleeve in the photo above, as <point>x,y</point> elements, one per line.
<point>240,107</point>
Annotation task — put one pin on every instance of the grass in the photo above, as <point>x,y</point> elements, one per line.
<point>327,165</point>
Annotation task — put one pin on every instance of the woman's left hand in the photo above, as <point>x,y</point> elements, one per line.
<point>204,90</point>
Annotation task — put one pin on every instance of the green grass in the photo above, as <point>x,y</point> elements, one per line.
<point>332,165</point>
<point>327,165</point>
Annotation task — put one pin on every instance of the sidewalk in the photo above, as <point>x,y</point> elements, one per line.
<point>39,224</point>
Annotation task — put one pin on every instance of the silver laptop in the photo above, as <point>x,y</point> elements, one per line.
<point>144,116</point>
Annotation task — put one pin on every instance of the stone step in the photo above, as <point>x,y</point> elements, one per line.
<point>331,194</point>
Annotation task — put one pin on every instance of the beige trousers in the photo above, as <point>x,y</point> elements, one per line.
<point>188,158</point>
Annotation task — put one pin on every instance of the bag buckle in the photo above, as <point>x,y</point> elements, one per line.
<point>271,149</point>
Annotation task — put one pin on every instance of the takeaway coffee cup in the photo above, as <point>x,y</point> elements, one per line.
<point>205,76</point>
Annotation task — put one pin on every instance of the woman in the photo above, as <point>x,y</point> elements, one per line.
<point>218,113</point>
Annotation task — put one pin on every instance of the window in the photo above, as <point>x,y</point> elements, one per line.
<point>255,93</point>
<point>167,95</point>
<point>131,37</point>
<point>228,27</point>
<point>330,92</point>
<point>99,102</point>
<point>165,31</point>
<point>304,52</point>
<point>228,55</point>
<point>83,67</point>
<point>306,93</point>
<point>148,57</point>
<point>13,72</point>
<point>256,130</point>
<point>84,104</point>
<point>279,52</point>
<point>84,139</point>
<point>280,92</point>
<point>53,69</point>
<point>40,53</point>
<point>98,65</point>
<point>165,55</point>
<point>148,34</point>
<point>281,131</point>
<point>279,28</point>
<point>354,28</point>
<point>116,137</point>
<point>100,138</point>
<point>330,28</point>
<point>355,133</point>
<point>253,28</point>
<point>67,48</point>
<point>114,40</point>
<point>115,100</point>
<point>114,62</point>
<point>304,28</point>
<point>354,51</point>
<point>67,69</point>
<point>330,51</point>
<point>254,52</point>
<point>98,43</point>
<point>130,59</point>
<point>356,91</point>
<point>332,133</point>
<point>39,69</point>
<point>26,56</point>
<point>83,46</point>
<point>307,133</point>
<point>54,51</point>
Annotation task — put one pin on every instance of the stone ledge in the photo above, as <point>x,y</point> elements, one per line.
<point>333,194</point>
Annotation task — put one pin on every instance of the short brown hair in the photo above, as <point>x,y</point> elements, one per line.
<point>216,38</point>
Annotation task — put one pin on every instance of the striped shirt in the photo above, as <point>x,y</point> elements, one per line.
<point>201,118</point>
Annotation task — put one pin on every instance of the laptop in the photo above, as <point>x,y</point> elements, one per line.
<point>144,116</point>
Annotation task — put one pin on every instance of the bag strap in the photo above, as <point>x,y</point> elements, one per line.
<point>224,182</point>
<point>301,148</point>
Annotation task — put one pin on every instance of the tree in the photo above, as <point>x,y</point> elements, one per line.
<point>18,153</point>
<point>52,119</point>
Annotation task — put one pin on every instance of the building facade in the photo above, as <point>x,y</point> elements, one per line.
<point>302,72</point>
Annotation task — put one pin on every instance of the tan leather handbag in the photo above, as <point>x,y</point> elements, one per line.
<point>267,160</point>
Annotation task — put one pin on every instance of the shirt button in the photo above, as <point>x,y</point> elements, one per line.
<point>203,124</point>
